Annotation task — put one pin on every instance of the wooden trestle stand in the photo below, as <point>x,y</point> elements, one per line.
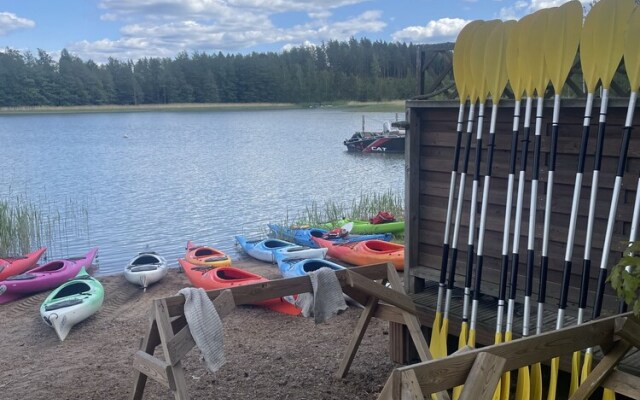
<point>168,326</point>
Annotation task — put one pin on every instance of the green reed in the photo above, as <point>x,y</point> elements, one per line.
<point>25,226</point>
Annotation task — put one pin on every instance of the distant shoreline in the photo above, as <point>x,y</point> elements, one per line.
<point>387,106</point>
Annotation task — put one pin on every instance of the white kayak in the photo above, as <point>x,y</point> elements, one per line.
<point>146,268</point>
<point>71,303</point>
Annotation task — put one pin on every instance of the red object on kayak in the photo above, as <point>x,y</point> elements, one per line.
<point>16,265</point>
<point>365,252</point>
<point>212,278</point>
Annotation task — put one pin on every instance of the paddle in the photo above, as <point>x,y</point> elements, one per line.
<point>561,40</point>
<point>497,81</point>
<point>481,64</point>
<point>459,59</point>
<point>473,88</point>
<point>516,80</point>
<point>617,12</point>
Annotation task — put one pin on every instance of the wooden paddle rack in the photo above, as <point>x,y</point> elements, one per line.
<point>480,370</point>
<point>168,326</point>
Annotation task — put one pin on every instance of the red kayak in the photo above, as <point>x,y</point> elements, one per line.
<point>365,252</point>
<point>212,278</point>
<point>16,265</point>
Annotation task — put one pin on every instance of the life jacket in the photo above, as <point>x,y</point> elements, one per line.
<point>382,217</point>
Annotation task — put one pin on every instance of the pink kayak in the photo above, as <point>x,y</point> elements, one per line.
<point>44,277</point>
<point>16,265</point>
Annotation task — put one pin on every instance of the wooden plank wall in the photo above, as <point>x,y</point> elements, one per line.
<point>429,163</point>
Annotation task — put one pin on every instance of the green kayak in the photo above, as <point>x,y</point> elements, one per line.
<point>366,227</point>
<point>72,302</point>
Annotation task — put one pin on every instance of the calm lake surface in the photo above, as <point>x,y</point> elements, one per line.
<point>130,182</point>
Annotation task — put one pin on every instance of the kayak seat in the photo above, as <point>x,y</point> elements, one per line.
<point>218,258</point>
<point>274,244</point>
<point>21,277</point>
<point>62,304</point>
<point>142,268</point>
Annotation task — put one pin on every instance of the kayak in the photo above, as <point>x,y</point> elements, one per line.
<point>262,249</point>
<point>298,267</point>
<point>210,278</point>
<point>46,276</point>
<point>205,255</point>
<point>303,235</point>
<point>146,268</point>
<point>366,252</point>
<point>299,252</point>
<point>365,227</point>
<point>72,302</point>
<point>10,266</point>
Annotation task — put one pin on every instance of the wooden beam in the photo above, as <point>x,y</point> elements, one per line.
<point>387,295</point>
<point>410,387</point>
<point>256,292</point>
<point>392,389</point>
<point>442,374</point>
<point>623,383</point>
<point>483,377</point>
<point>150,366</point>
<point>175,373</point>
<point>629,330</point>
<point>149,342</point>
<point>356,337</point>
<point>600,373</point>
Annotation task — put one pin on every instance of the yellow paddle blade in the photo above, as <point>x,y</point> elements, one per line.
<point>608,394</point>
<point>495,61</point>
<point>523,387</point>
<point>456,392</point>
<point>496,394</point>
<point>575,372</point>
<point>536,382</point>
<point>513,60</point>
<point>538,69</point>
<point>508,336</point>
<point>435,336</point>
<point>472,84</point>
<point>632,50</point>
<point>498,338</point>
<point>612,17</point>
<point>530,51</point>
<point>561,40</point>
<point>442,340</point>
<point>479,54</point>
<point>588,55</point>
<point>553,380</point>
<point>505,386</point>
<point>462,339</point>
<point>472,338</point>
<point>586,366</point>
<point>459,60</point>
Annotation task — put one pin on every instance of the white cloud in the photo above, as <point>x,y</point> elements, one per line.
<point>149,39</point>
<point>442,30</point>
<point>520,8</point>
<point>10,22</point>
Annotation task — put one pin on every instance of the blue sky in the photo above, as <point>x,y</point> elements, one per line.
<point>132,29</point>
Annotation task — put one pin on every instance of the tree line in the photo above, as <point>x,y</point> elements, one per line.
<point>335,71</point>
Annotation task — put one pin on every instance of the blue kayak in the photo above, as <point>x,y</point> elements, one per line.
<point>303,236</point>
<point>298,267</point>
<point>265,249</point>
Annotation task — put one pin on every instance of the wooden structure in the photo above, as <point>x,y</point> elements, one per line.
<point>430,148</point>
<point>480,370</point>
<point>168,326</point>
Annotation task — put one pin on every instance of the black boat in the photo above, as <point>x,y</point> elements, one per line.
<point>388,141</point>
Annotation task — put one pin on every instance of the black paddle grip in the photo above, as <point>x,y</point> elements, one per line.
<point>443,265</point>
<point>528,286</point>
<point>566,278</point>
<point>584,284</point>
<point>515,263</point>
<point>542,289</point>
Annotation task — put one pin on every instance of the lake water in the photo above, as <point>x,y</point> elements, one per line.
<point>129,182</point>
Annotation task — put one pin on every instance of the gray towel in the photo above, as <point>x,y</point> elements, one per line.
<point>205,326</point>
<point>327,298</point>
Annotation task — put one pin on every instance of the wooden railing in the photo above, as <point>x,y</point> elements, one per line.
<point>480,370</point>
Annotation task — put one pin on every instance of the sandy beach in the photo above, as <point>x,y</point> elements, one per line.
<point>269,355</point>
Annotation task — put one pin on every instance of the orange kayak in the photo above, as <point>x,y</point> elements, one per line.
<point>365,252</point>
<point>212,278</point>
<point>207,256</point>
<point>16,265</point>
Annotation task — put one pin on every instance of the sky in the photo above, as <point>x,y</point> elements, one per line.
<point>133,29</point>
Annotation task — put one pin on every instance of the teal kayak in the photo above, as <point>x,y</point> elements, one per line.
<point>72,302</point>
<point>367,228</point>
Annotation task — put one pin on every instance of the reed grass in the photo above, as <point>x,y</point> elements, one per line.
<point>366,206</point>
<point>25,226</point>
